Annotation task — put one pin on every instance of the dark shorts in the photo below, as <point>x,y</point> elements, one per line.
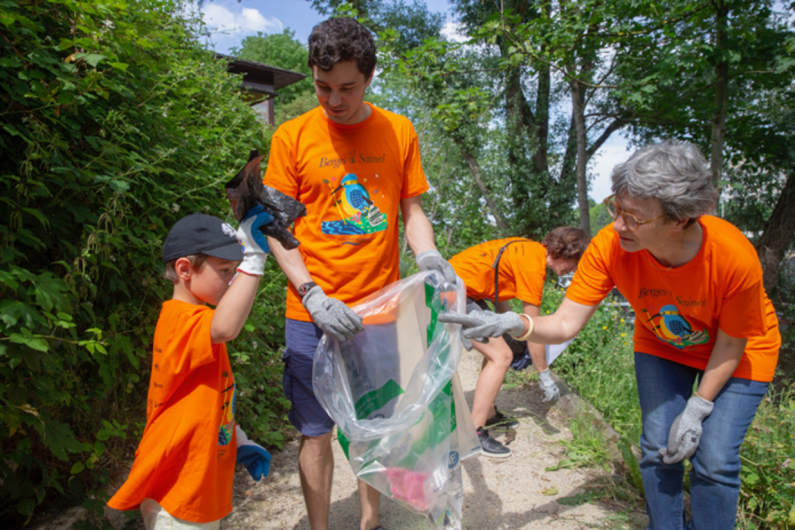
<point>306,414</point>
<point>302,338</point>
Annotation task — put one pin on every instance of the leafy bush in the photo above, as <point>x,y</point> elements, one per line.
<point>114,123</point>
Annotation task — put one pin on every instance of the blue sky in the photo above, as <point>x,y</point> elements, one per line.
<point>232,21</point>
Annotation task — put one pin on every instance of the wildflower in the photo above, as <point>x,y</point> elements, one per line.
<point>625,344</point>
<point>604,327</point>
<point>623,334</point>
<point>175,207</point>
<point>622,320</point>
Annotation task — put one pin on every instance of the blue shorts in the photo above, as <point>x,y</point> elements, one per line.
<point>307,414</point>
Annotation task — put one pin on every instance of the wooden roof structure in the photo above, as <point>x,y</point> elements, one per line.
<point>261,82</point>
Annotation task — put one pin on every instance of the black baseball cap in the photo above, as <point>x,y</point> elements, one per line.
<point>202,234</point>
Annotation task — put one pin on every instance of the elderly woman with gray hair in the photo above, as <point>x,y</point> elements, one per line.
<point>702,319</point>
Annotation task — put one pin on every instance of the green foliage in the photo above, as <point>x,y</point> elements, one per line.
<point>282,50</point>
<point>767,497</point>
<point>114,123</point>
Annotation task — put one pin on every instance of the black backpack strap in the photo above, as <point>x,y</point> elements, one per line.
<point>496,268</point>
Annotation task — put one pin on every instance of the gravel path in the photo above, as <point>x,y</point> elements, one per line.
<point>513,493</point>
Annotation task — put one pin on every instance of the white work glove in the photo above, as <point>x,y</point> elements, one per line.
<point>255,244</point>
<point>332,316</point>
<point>551,390</point>
<point>685,433</point>
<point>480,324</point>
<point>431,260</point>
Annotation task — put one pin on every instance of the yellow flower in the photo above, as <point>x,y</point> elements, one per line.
<point>625,344</point>
<point>623,334</point>
<point>604,327</point>
<point>622,320</point>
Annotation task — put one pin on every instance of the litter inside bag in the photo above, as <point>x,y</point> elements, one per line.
<point>394,393</point>
<point>246,191</point>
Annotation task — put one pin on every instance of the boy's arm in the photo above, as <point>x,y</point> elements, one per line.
<point>233,309</point>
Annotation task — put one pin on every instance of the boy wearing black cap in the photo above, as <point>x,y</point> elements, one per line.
<point>184,466</point>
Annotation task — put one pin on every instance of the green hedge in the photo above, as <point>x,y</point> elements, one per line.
<point>114,123</point>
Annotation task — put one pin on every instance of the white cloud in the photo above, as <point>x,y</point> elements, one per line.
<point>613,152</point>
<point>454,31</point>
<point>247,20</point>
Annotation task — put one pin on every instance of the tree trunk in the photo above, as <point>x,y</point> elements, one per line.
<point>578,112</point>
<point>778,234</point>
<point>721,94</point>
<point>474,168</point>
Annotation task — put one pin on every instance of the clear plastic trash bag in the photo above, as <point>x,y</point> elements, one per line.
<point>393,391</point>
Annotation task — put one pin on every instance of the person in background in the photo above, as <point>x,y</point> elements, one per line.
<point>185,464</point>
<point>500,271</point>
<point>703,321</point>
<point>354,166</point>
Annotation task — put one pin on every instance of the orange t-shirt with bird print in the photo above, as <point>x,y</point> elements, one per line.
<point>523,269</point>
<point>351,179</point>
<point>186,458</point>
<point>678,312</point>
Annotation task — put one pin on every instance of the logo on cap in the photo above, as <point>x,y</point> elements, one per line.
<point>228,230</point>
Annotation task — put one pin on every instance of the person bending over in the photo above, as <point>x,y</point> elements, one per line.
<point>702,319</point>
<point>500,271</point>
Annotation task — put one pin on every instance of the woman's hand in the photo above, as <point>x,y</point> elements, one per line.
<point>480,324</point>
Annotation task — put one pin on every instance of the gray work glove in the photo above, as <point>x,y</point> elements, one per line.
<point>480,324</point>
<point>466,342</point>
<point>431,260</point>
<point>685,433</point>
<point>551,390</point>
<point>332,316</point>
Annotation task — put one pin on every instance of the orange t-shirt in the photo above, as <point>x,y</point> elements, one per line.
<point>186,458</point>
<point>678,312</point>
<point>351,179</point>
<point>523,269</point>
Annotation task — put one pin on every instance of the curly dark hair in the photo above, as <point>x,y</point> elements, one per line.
<point>565,242</point>
<point>342,39</point>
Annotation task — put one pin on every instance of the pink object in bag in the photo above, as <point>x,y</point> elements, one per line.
<point>408,486</point>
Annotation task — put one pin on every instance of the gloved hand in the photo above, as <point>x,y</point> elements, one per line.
<point>551,390</point>
<point>481,323</point>
<point>431,260</point>
<point>255,244</point>
<point>256,459</point>
<point>467,343</point>
<point>332,316</point>
<point>685,433</point>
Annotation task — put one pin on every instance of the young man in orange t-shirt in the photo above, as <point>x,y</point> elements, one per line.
<point>354,166</point>
<point>500,271</point>
<point>184,466</point>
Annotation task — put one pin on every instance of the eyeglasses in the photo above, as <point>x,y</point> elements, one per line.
<point>630,220</point>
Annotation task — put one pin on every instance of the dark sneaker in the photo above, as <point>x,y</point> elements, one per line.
<point>502,421</point>
<point>492,447</point>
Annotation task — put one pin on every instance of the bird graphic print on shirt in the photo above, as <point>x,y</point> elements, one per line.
<point>671,327</point>
<point>354,204</point>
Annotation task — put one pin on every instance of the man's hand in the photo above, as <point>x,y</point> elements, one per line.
<point>332,316</point>
<point>255,457</point>
<point>551,390</point>
<point>480,324</point>
<point>431,260</point>
<point>255,244</point>
<point>685,433</point>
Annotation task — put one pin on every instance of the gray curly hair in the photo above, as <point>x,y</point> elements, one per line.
<point>675,173</point>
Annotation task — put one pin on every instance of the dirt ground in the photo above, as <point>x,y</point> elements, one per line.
<point>513,493</point>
